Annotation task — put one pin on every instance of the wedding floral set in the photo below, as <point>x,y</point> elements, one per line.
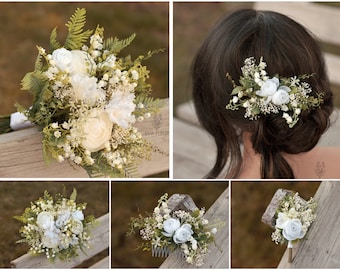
<point>86,99</point>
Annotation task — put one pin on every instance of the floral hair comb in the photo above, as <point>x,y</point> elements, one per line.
<point>260,94</point>
<point>290,216</point>
<point>170,229</point>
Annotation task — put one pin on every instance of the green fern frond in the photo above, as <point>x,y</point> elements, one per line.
<point>33,81</point>
<point>149,55</point>
<point>151,105</point>
<point>115,45</point>
<point>76,37</point>
<point>54,44</point>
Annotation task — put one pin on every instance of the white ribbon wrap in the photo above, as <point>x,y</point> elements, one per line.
<point>19,121</point>
<point>290,244</point>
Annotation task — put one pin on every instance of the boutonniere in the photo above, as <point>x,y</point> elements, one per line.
<point>291,219</point>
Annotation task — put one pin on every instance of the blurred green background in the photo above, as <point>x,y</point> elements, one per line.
<point>129,199</point>
<point>192,23</point>
<point>25,25</point>
<point>251,244</point>
<point>15,196</point>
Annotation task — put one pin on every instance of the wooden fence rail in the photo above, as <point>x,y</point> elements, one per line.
<point>21,152</point>
<point>99,241</point>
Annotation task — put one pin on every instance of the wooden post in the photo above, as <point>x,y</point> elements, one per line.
<point>268,216</point>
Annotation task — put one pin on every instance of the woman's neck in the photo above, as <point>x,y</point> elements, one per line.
<point>251,161</point>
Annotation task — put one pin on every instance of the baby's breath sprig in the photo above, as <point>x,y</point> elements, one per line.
<point>260,95</point>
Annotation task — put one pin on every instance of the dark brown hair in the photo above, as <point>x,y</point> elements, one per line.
<point>289,50</point>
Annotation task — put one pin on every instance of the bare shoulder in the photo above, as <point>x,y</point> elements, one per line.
<point>321,162</point>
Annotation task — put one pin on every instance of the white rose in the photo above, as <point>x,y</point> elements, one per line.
<point>97,131</point>
<point>120,108</point>
<point>183,234</point>
<point>76,226</point>
<point>82,63</point>
<point>281,96</point>
<point>50,239</point>
<point>45,220</point>
<point>269,87</point>
<point>62,58</point>
<point>293,230</point>
<point>170,226</point>
<point>78,215</point>
<point>85,88</point>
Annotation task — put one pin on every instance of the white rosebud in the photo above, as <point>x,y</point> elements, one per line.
<point>292,230</point>
<point>170,226</point>
<point>280,97</point>
<point>269,87</point>
<point>183,234</point>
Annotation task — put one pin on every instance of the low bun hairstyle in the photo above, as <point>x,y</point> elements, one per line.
<point>289,50</point>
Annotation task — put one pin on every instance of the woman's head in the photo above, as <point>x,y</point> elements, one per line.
<point>289,50</point>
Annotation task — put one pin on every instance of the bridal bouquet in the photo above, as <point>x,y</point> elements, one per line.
<point>56,227</point>
<point>166,231</point>
<point>294,216</point>
<point>86,98</point>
